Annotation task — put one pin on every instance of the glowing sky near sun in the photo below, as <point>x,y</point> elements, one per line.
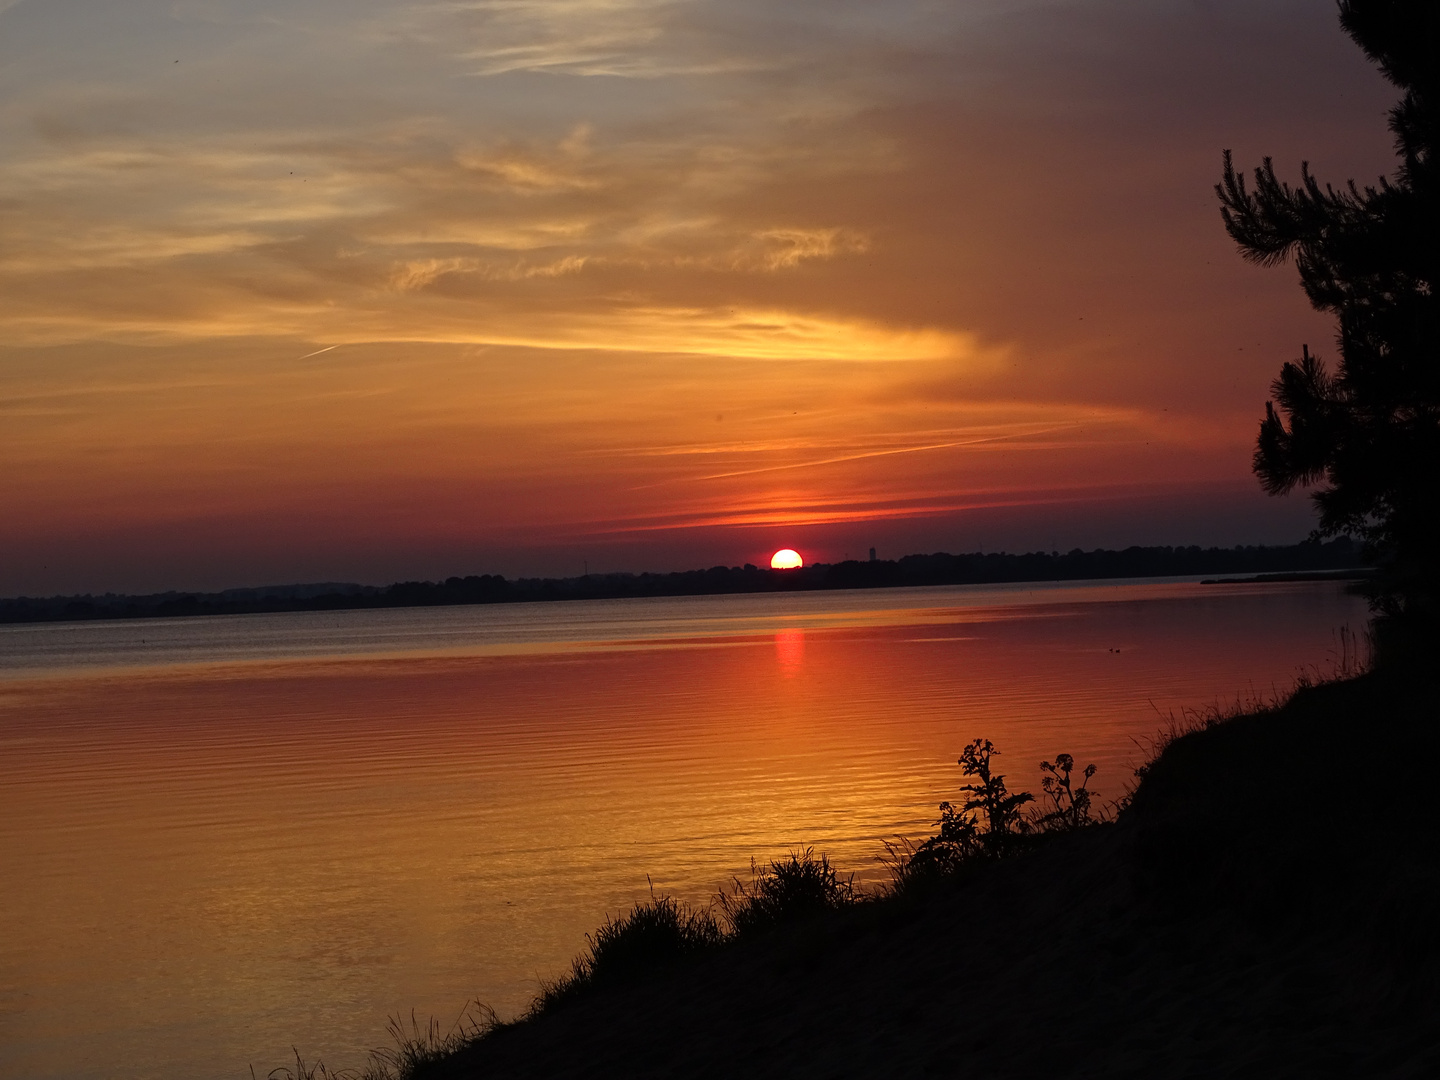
<point>322,290</point>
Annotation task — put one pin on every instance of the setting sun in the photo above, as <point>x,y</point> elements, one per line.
<point>786,559</point>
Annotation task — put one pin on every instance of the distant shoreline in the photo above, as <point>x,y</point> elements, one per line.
<point>1355,573</point>
<point>1335,559</point>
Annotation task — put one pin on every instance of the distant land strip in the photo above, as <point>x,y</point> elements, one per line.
<point>1332,558</point>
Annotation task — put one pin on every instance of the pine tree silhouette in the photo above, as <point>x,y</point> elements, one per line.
<point>1368,434</point>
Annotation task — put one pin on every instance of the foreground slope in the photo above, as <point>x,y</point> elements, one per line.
<point>1267,906</point>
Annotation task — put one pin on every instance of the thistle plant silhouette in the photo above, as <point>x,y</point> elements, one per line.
<point>1070,805</point>
<point>989,797</point>
<point>987,823</point>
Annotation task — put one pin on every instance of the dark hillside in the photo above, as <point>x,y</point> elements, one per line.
<point>1265,907</point>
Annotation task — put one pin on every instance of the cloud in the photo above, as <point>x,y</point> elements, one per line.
<point>909,252</point>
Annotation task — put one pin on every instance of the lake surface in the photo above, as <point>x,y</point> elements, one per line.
<point>221,837</point>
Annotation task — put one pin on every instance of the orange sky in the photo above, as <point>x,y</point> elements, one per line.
<point>366,291</point>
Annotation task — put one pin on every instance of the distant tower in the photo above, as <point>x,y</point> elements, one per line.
<point>872,554</point>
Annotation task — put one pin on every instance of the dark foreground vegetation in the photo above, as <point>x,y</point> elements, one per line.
<point>1263,903</point>
<point>938,569</point>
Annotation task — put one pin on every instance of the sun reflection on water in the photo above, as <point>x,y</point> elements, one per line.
<point>790,651</point>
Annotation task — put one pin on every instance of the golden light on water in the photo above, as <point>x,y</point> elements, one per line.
<point>786,559</point>
<point>146,808</point>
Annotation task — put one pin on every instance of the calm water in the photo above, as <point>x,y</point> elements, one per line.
<point>221,837</point>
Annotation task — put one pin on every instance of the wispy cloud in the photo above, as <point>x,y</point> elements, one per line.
<point>684,261</point>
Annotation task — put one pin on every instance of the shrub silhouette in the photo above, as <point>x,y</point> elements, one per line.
<point>796,888</point>
<point>656,933</point>
<point>662,931</point>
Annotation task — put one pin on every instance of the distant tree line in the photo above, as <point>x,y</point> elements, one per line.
<point>938,569</point>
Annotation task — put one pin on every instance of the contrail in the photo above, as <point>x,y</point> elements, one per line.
<point>317,352</point>
<point>980,441</point>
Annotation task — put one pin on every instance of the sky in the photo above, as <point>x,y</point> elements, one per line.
<point>371,291</point>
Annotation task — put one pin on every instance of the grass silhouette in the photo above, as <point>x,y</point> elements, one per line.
<point>412,1048</point>
<point>657,933</point>
<point>784,892</point>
